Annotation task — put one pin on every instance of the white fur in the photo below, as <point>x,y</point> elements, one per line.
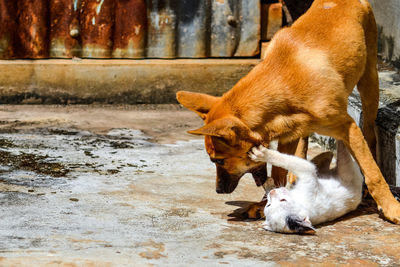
<point>313,199</point>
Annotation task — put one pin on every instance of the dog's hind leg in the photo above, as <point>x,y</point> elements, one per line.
<point>368,86</point>
<point>352,137</point>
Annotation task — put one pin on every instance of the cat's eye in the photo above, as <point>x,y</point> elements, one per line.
<point>268,205</point>
<point>283,199</point>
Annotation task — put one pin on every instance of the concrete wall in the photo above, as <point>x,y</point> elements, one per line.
<point>387,14</point>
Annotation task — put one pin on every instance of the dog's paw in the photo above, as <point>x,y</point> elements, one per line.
<point>392,214</point>
<point>258,153</point>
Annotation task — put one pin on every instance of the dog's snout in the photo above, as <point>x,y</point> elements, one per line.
<point>226,183</point>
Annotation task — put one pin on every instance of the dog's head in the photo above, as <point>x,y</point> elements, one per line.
<point>227,140</point>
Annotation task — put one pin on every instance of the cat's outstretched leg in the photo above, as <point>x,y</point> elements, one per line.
<point>300,167</point>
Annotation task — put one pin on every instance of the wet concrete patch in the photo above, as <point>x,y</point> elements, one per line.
<point>31,162</point>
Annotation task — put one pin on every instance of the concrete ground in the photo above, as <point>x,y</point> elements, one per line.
<point>126,186</point>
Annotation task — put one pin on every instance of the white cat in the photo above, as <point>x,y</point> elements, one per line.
<point>316,197</point>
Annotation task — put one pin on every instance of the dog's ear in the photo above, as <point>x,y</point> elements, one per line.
<point>231,129</point>
<point>197,102</point>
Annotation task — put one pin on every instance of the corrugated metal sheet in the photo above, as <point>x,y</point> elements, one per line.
<point>64,29</point>
<point>33,28</point>
<point>162,24</point>
<point>249,19</point>
<point>224,28</point>
<point>129,28</point>
<point>194,20</point>
<point>8,13</point>
<point>97,21</point>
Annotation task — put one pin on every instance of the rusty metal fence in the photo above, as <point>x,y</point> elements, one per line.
<point>129,28</point>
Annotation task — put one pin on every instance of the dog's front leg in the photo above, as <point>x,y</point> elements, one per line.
<point>301,152</point>
<point>353,138</point>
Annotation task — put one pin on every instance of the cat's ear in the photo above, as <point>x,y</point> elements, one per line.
<point>300,225</point>
<point>323,162</point>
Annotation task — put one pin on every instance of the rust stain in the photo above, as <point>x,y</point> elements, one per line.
<point>130,29</point>
<point>221,254</point>
<point>392,249</point>
<point>33,28</point>
<point>359,262</point>
<point>97,22</point>
<point>153,250</point>
<point>8,13</point>
<point>64,28</point>
<point>304,262</point>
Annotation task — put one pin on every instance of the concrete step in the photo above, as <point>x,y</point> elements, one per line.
<point>115,81</point>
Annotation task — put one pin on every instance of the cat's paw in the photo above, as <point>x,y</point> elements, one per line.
<point>259,153</point>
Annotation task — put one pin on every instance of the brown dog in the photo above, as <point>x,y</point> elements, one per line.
<point>301,87</point>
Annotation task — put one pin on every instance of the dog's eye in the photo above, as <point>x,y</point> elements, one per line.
<point>282,200</point>
<point>218,161</point>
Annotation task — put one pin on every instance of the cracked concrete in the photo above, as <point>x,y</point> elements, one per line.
<point>126,186</point>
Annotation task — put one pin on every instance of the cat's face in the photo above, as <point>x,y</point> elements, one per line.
<point>283,214</point>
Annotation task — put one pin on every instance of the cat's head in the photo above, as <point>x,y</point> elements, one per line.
<point>283,214</point>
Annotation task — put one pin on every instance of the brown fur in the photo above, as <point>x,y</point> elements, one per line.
<point>301,87</point>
